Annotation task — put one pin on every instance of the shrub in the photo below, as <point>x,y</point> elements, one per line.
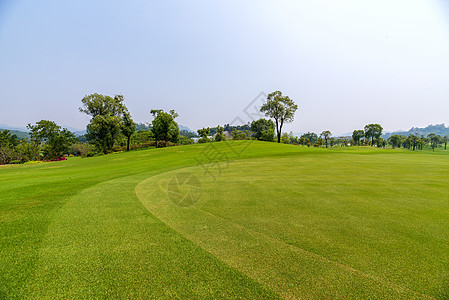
<point>81,149</point>
<point>7,155</point>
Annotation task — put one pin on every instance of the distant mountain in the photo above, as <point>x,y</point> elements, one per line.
<point>182,127</point>
<point>439,129</point>
<point>3,126</point>
<point>19,133</point>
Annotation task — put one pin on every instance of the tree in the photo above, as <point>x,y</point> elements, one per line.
<point>105,124</point>
<point>8,140</point>
<point>357,135</point>
<point>128,128</point>
<point>444,140</point>
<point>312,137</point>
<point>434,140</point>
<point>8,144</point>
<point>396,140</point>
<point>203,133</point>
<point>318,143</point>
<point>55,140</point>
<point>284,138</point>
<point>220,135</point>
<point>164,126</point>
<point>412,141</point>
<point>281,109</point>
<point>185,140</point>
<point>326,135</point>
<point>263,130</point>
<point>373,132</point>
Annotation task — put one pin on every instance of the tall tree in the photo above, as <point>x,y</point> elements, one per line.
<point>164,127</point>
<point>105,124</point>
<point>263,130</point>
<point>357,135</point>
<point>281,109</point>
<point>326,135</point>
<point>373,132</point>
<point>444,140</point>
<point>128,128</point>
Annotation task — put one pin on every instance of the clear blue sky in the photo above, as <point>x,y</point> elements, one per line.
<point>345,63</point>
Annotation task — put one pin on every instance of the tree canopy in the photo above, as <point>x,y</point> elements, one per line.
<point>326,135</point>
<point>164,127</point>
<point>56,141</point>
<point>263,130</point>
<point>105,124</point>
<point>373,131</point>
<point>357,135</point>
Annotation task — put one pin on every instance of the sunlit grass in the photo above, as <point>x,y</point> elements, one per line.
<point>273,220</point>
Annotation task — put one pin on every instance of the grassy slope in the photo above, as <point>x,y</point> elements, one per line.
<point>296,221</point>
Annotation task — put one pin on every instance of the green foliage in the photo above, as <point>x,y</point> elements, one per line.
<point>185,140</point>
<point>164,127</point>
<point>311,137</point>
<point>285,138</point>
<point>263,130</point>
<point>203,132</point>
<point>55,141</point>
<point>396,140</point>
<point>326,135</point>
<point>219,137</point>
<point>281,109</point>
<point>8,155</point>
<point>128,127</point>
<point>240,134</point>
<point>82,149</point>
<point>435,140</point>
<point>230,128</point>
<point>105,124</point>
<point>142,137</point>
<point>186,133</point>
<point>357,135</point>
<point>143,127</point>
<point>373,132</point>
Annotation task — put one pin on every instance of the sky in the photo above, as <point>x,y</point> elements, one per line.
<point>345,63</point>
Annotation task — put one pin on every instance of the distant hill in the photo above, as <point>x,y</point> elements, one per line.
<point>182,127</point>
<point>439,129</point>
<point>20,134</point>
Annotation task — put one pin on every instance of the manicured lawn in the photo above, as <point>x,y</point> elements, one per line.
<point>268,221</point>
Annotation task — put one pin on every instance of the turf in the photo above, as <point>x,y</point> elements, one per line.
<point>267,221</point>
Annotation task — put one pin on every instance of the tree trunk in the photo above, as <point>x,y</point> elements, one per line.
<point>278,131</point>
<point>127,146</point>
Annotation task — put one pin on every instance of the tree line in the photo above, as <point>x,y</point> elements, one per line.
<point>111,128</point>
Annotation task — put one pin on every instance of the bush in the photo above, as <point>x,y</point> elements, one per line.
<point>8,155</point>
<point>184,140</point>
<point>81,149</point>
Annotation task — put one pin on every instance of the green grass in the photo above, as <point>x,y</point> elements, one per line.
<point>273,221</point>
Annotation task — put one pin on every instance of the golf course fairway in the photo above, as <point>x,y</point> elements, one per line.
<point>228,220</point>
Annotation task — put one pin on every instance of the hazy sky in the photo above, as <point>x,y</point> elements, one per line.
<point>345,63</point>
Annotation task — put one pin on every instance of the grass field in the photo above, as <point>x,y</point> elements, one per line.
<point>265,221</point>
